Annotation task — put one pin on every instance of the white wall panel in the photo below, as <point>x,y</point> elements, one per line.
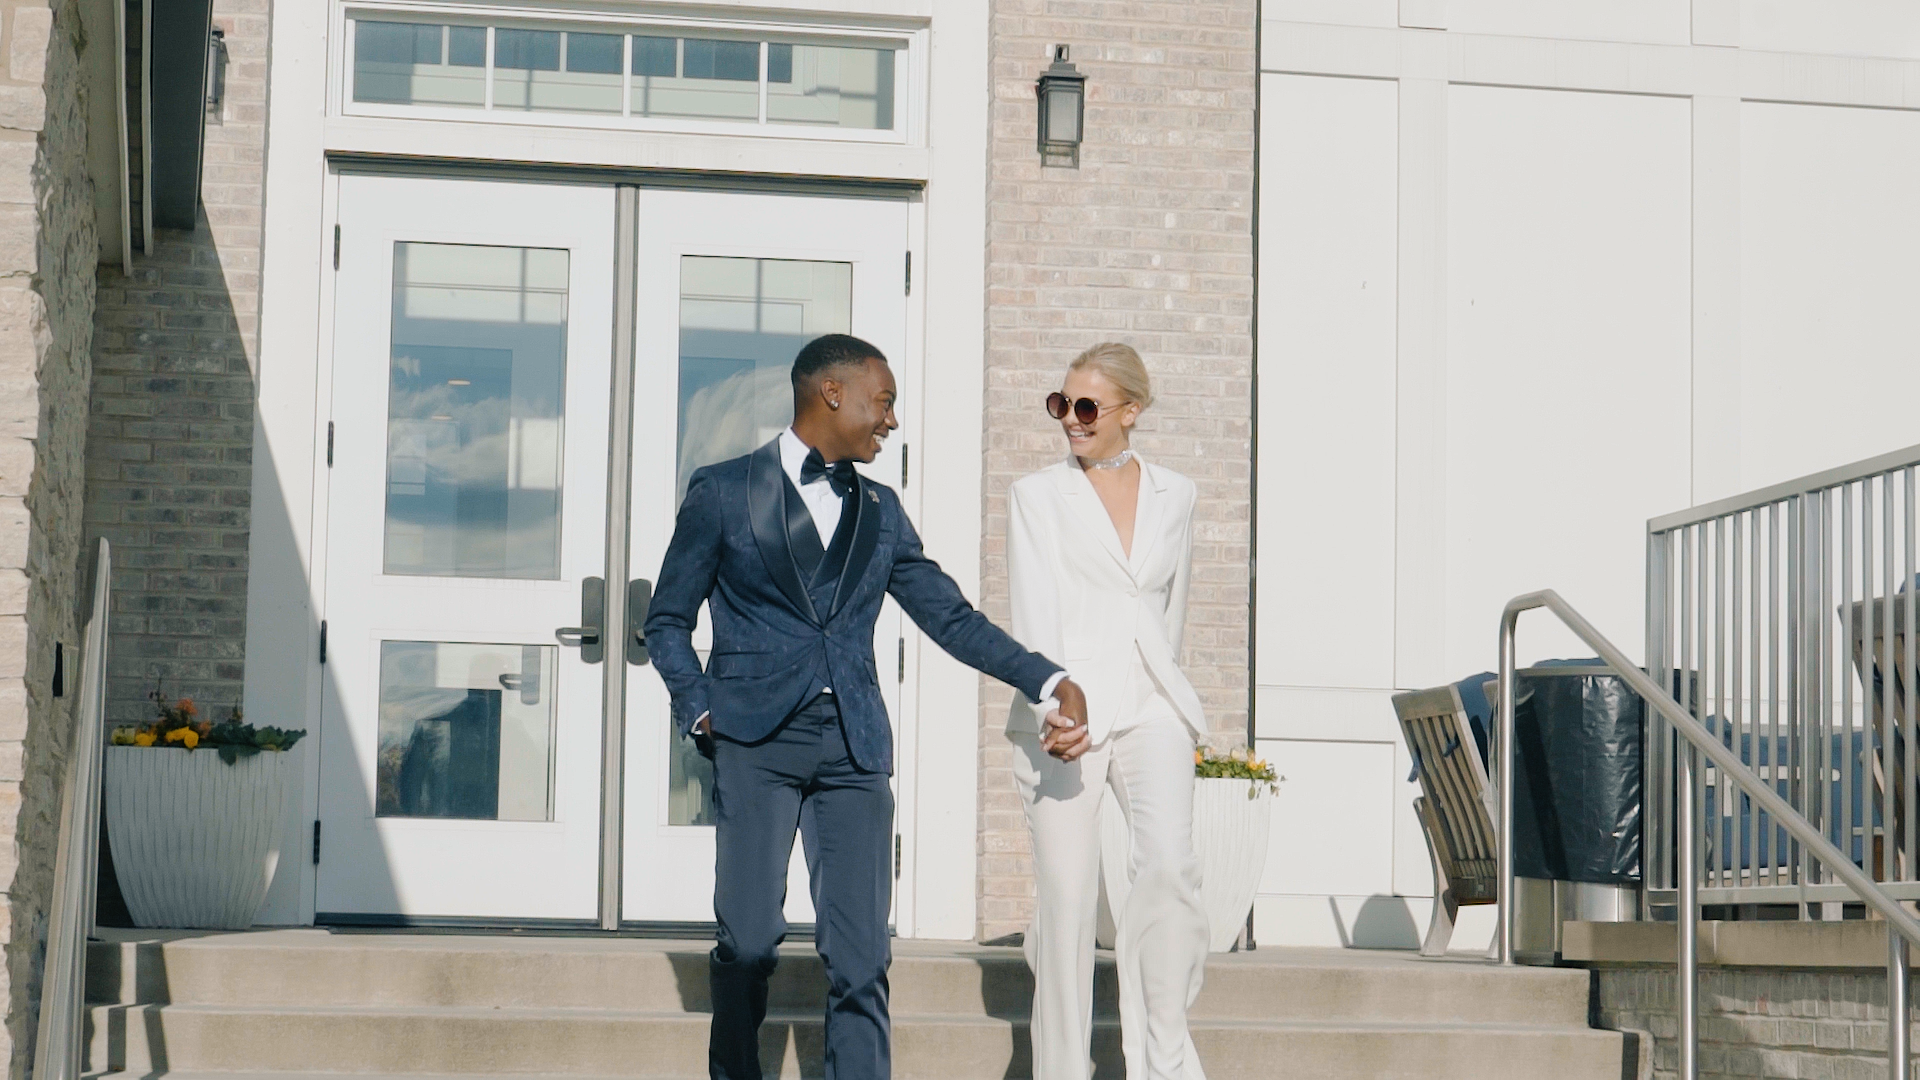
<point>1666,22</point>
<point>1342,12</point>
<point>1327,332</point>
<point>1846,27</point>
<point>1830,268</point>
<point>1333,819</point>
<point>1568,355</point>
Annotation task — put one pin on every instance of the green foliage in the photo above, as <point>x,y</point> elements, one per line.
<point>1237,765</point>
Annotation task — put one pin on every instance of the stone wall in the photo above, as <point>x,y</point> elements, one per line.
<point>48,251</point>
<point>1757,1022</point>
<point>169,472</point>
<point>1149,242</point>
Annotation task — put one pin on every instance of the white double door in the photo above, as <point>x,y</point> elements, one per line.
<point>473,452</point>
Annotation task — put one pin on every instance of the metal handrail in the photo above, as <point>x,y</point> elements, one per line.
<point>56,1054</point>
<point>1902,928</point>
<point>1826,478</point>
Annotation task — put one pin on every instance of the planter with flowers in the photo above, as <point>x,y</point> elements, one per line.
<point>195,812</point>
<point>1232,816</point>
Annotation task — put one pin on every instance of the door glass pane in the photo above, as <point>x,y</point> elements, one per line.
<point>419,63</point>
<point>466,731</point>
<point>741,322</point>
<point>474,411</point>
<point>554,71</point>
<point>830,85</point>
<point>696,77</point>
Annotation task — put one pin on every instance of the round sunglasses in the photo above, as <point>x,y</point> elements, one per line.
<point>1086,410</point>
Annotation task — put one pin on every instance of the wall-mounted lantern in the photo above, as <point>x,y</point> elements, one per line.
<point>1063,112</point>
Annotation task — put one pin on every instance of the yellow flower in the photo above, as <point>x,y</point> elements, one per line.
<point>144,738</point>
<point>190,737</point>
<point>1256,764</point>
<point>1199,756</point>
<point>177,734</point>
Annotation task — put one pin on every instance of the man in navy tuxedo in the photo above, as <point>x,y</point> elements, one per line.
<point>793,551</point>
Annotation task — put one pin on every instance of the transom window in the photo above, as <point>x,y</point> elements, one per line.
<point>659,74</point>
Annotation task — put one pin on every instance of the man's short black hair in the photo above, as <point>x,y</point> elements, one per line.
<point>827,352</point>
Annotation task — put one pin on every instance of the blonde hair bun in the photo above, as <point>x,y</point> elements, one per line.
<point>1122,367</point>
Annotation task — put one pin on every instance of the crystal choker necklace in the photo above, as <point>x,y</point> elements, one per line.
<point>1113,462</point>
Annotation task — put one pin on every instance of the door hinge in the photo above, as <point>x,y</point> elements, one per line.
<point>316,841</point>
<point>903,466</point>
<point>896,856</point>
<point>336,247</point>
<point>903,659</point>
<point>323,641</point>
<point>909,281</point>
<point>329,444</point>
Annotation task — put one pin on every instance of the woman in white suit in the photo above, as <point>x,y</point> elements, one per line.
<point>1099,553</point>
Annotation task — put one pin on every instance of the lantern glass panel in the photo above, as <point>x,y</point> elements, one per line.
<point>1063,113</point>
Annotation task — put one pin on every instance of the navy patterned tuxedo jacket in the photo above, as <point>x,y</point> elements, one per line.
<point>779,639</point>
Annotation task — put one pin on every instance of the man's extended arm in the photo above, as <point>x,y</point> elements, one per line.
<point>937,605</point>
<point>686,579</point>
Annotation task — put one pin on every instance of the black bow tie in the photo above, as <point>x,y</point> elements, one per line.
<point>839,474</point>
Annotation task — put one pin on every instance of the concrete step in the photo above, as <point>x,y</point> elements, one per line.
<point>151,1040</point>
<point>315,969</point>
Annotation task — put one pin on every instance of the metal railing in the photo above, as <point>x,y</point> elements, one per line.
<point>1783,615</point>
<point>1695,738</point>
<point>56,1053</point>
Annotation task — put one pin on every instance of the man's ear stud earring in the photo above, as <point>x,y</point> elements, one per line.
<point>833,404</point>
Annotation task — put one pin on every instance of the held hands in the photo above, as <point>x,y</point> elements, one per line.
<point>1066,736</point>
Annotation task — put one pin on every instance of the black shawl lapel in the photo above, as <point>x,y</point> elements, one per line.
<point>767,509</point>
<point>864,504</point>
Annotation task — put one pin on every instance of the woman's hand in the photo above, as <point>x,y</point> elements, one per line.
<point>1066,736</point>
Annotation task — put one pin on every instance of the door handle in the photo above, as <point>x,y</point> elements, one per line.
<point>639,596</point>
<point>590,636</point>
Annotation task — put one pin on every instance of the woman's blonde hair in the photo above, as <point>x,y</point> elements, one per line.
<point>1122,367</point>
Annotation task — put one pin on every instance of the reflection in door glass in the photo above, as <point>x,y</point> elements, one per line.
<point>741,322</point>
<point>466,731</point>
<point>474,411</point>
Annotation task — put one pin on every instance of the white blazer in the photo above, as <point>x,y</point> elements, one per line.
<point>1079,600</point>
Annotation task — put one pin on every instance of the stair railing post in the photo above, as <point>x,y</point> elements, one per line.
<point>1506,759</point>
<point>1899,1012</point>
<point>1687,966</point>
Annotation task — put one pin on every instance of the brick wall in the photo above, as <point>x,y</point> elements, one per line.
<point>48,250</point>
<point>1149,242</point>
<point>172,426</point>
<point>1757,1022</point>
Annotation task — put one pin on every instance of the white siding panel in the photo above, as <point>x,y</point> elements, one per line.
<point>1568,356</point>
<point>1333,819</point>
<point>1341,12</point>
<point>1664,22</point>
<point>1830,228</point>
<point>1327,334</point>
<point>1850,28</point>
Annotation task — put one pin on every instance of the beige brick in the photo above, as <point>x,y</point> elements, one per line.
<point>19,238</point>
<point>23,108</point>
<point>27,49</point>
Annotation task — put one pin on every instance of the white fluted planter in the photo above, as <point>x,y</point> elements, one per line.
<point>1229,836</point>
<point>195,841</point>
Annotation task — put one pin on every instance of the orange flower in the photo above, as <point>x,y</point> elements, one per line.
<point>1199,756</point>
<point>186,706</point>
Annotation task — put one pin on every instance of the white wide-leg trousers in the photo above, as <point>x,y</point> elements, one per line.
<point>1161,941</point>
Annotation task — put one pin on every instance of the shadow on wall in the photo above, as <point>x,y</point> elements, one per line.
<point>169,448</point>
<point>1382,922</point>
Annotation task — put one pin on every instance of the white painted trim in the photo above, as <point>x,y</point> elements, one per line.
<point>282,674</point>
<point>598,148</point>
<point>950,264</point>
<point>1605,66</point>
